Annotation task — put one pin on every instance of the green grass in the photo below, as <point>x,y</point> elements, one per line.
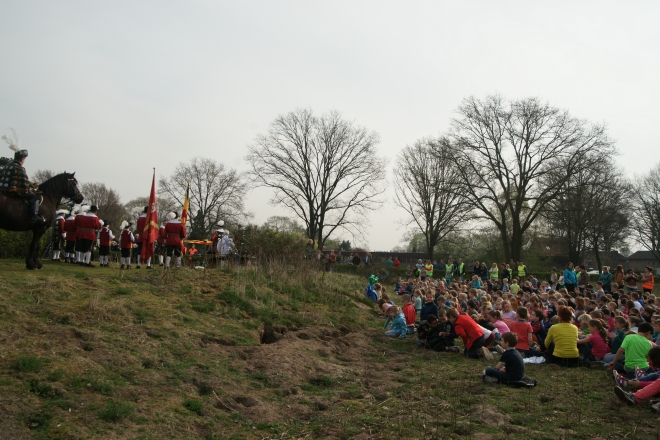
<point>145,356</point>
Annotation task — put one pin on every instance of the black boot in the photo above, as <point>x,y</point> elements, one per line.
<point>33,209</point>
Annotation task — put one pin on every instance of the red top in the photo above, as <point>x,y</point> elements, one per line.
<point>104,237</point>
<point>175,232</point>
<point>86,226</point>
<point>60,225</point>
<point>70,228</point>
<point>139,229</point>
<point>409,313</point>
<point>127,239</point>
<point>397,263</point>
<point>468,330</point>
<point>522,329</point>
<point>161,235</point>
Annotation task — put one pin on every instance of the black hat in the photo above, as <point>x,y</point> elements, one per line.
<point>93,208</point>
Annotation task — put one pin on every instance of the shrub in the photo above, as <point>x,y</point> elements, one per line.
<point>115,411</point>
<point>194,405</point>
<point>27,364</point>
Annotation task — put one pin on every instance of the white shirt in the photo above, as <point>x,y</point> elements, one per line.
<point>224,245</point>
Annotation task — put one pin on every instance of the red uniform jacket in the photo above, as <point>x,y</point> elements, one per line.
<point>175,232</point>
<point>126,239</point>
<point>139,229</point>
<point>468,330</point>
<point>70,228</point>
<point>104,237</point>
<point>86,226</point>
<point>162,236</point>
<point>60,226</point>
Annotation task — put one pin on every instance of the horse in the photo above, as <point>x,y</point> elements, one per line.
<point>14,214</point>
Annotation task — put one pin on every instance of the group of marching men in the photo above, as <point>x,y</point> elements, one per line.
<point>82,228</point>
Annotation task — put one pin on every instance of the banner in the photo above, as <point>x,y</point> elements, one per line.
<point>150,232</point>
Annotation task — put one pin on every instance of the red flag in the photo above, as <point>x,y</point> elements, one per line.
<point>186,207</point>
<point>150,232</point>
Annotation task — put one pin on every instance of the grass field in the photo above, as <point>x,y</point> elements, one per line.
<point>269,353</point>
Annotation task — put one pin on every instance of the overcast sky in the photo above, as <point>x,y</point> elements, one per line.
<point>112,89</point>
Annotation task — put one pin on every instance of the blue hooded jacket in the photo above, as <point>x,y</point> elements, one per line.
<point>398,324</point>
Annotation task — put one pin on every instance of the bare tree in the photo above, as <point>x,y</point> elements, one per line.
<point>284,224</point>
<point>40,176</point>
<point>106,199</point>
<point>647,212</point>
<point>506,151</point>
<point>135,207</point>
<point>324,169</point>
<point>216,193</point>
<point>427,186</point>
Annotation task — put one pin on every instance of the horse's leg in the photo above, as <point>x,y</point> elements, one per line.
<point>32,261</point>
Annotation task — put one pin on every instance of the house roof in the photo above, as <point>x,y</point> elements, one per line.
<point>642,255</point>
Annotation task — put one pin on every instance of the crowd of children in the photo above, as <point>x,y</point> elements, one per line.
<point>535,321</point>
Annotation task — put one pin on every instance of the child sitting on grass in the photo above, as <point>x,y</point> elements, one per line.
<point>511,367</point>
<point>399,327</point>
<point>446,331</point>
<point>409,312</point>
<point>635,346</point>
<point>522,328</point>
<point>469,331</point>
<point>649,385</point>
<point>594,347</point>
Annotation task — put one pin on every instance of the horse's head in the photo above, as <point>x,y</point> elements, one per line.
<point>72,191</point>
<point>63,185</point>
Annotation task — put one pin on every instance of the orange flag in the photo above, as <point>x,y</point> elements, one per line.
<point>186,208</point>
<point>150,233</point>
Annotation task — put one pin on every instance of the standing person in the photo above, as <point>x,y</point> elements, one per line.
<point>494,272</point>
<point>477,269</point>
<point>522,271</point>
<point>59,234</point>
<point>449,271</point>
<point>619,276</point>
<point>176,232</point>
<point>70,230</point>
<point>389,262</point>
<point>126,240</point>
<point>428,267</point>
<point>219,229</point>
<point>570,280</point>
<point>86,228</point>
<point>554,278</point>
<point>162,238</point>
<point>606,279</point>
<point>460,269</point>
<point>397,263</point>
<point>583,278</point>
<point>470,267</point>
<point>505,272</point>
<point>356,259</point>
<point>139,232</point>
<point>631,281</point>
<point>79,218</point>
<point>647,280</point>
<point>483,272</point>
<point>105,237</point>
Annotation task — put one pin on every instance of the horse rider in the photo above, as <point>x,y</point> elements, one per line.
<point>14,181</point>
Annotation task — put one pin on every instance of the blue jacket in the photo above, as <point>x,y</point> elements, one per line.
<point>428,309</point>
<point>570,277</point>
<point>398,324</point>
<point>370,293</point>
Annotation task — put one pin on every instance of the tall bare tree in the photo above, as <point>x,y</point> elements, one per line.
<point>507,149</point>
<point>647,211</point>
<point>324,169</point>
<point>135,207</point>
<point>427,186</point>
<point>107,200</point>
<point>216,193</point>
<point>40,176</point>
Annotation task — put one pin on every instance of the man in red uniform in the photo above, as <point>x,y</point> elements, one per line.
<point>58,234</point>
<point>79,253</point>
<point>176,232</point>
<point>126,241</point>
<point>86,227</point>
<point>70,230</point>
<point>105,237</point>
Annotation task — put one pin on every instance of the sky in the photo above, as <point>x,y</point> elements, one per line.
<point>111,90</point>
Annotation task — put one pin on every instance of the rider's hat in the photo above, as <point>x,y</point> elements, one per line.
<point>15,146</point>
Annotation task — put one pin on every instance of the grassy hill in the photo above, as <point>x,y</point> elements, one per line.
<point>275,352</point>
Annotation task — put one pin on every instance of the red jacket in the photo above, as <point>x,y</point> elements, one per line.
<point>468,330</point>
<point>161,235</point>
<point>410,314</point>
<point>86,226</point>
<point>139,229</point>
<point>175,233</point>
<point>126,239</point>
<point>60,226</point>
<point>70,228</point>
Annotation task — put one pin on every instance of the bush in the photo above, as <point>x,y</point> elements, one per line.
<point>115,411</point>
<point>194,405</point>
<point>27,364</point>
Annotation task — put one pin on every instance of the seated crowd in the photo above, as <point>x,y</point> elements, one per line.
<point>614,329</point>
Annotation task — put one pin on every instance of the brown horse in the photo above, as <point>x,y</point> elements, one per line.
<point>14,214</point>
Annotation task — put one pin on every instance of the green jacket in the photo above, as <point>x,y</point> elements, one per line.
<point>14,179</point>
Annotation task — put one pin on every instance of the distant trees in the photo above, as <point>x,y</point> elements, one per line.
<point>106,199</point>
<point>647,210</point>
<point>284,224</point>
<point>324,169</point>
<point>506,152</point>
<point>40,176</point>
<point>135,207</point>
<point>428,187</point>
<point>216,193</point>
